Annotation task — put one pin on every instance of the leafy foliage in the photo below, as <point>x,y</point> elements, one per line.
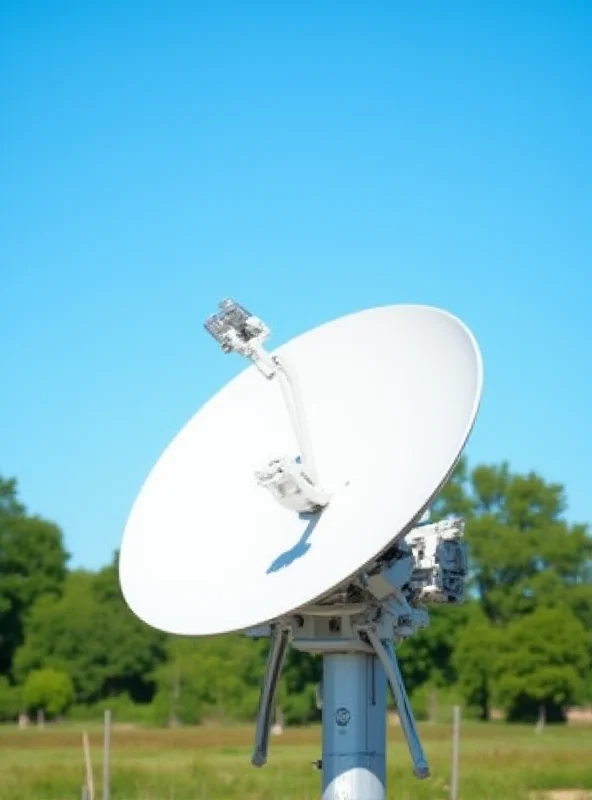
<point>526,562</point>
<point>219,676</point>
<point>32,565</point>
<point>426,657</point>
<point>48,689</point>
<point>10,700</point>
<point>542,660</point>
<point>523,552</point>
<point>90,633</point>
<point>297,694</point>
<point>520,642</point>
<point>473,658</point>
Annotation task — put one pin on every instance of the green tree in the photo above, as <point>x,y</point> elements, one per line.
<point>135,649</point>
<point>49,690</point>
<point>64,633</point>
<point>10,700</point>
<point>522,550</point>
<point>10,506</point>
<point>524,557</point>
<point>298,687</point>
<point>218,676</point>
<point>90,633</point>
<point>541,664</point>
<point>473,658</point>
<point>32,565</point>
<point>427,655</point>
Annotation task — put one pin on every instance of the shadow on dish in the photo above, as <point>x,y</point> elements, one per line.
<point>301,547</point>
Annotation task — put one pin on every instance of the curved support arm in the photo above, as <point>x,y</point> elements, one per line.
<point>386,653</point>
<point>280,640</point>
<point>291,390</point>
<point>236,329</point>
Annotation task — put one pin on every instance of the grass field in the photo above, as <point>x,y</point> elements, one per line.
<point>498,762</point>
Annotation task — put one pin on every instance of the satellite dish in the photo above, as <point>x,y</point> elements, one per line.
<point>301,488</point>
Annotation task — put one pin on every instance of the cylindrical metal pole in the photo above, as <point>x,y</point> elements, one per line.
<point>455,749</point>
<point>107,756</point>
<point>354,727</point>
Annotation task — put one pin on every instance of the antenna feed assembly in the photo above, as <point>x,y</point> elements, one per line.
<point>238,331</point>
<point>292,482</point>
<point>368,615</point>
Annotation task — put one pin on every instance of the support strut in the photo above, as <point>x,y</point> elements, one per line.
<point>386,653</point>
<point>280,640</point>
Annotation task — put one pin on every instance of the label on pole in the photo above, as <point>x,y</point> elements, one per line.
<point>342,717</point>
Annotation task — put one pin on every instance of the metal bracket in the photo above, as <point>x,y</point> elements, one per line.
<point>288,484</point>
<point>381,606</point>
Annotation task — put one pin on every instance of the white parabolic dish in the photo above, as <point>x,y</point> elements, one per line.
<point>390,395</point>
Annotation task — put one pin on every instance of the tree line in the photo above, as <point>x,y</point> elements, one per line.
<point>521,643</point>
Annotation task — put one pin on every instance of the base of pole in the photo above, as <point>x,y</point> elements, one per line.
<point>354,727</point>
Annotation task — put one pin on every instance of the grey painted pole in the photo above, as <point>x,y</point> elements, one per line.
<point>354,727</point>
<point>455,751</point>
<point>107,756</point>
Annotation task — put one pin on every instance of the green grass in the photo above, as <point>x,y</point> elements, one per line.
<point>498,762</point>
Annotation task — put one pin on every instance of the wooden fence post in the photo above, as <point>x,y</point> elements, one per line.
<point>90,784</point>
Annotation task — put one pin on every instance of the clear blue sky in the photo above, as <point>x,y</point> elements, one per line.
<point>310,159</point>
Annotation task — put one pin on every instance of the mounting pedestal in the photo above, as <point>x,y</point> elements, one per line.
<point>354,727</point>
<point>354,633</point>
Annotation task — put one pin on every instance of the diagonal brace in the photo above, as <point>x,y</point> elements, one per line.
<point>280,642</point>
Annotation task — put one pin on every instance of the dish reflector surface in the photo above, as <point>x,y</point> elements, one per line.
<point>390,395</point>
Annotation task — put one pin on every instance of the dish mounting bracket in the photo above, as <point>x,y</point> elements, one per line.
<point>381,607</point>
